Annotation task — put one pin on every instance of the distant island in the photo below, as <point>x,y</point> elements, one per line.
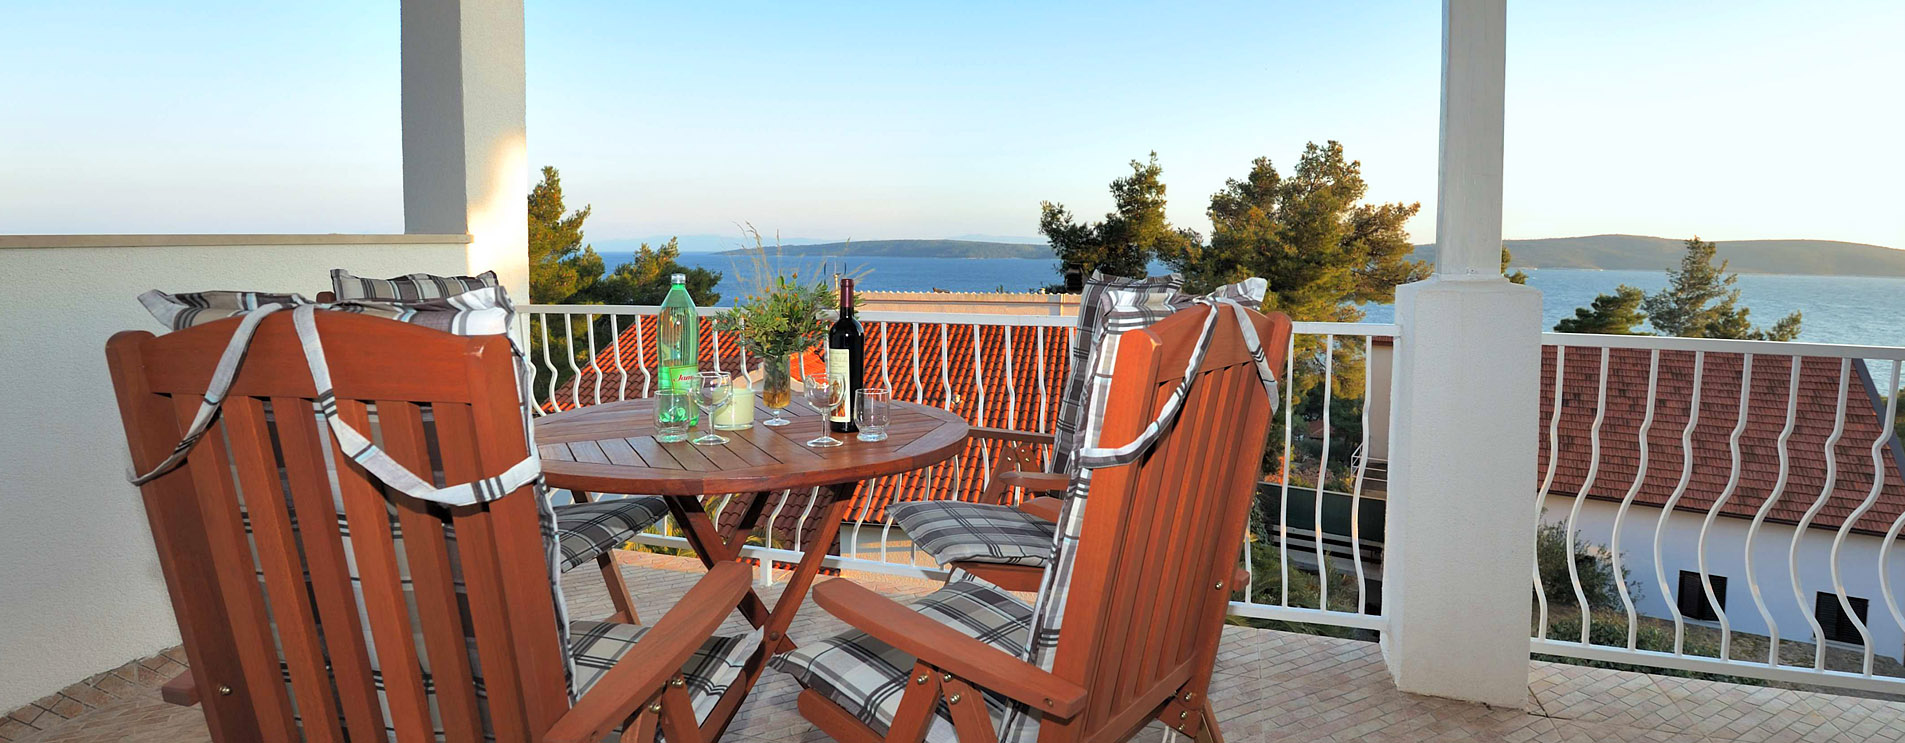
<point>1592,252</point>
<point>1642,253</point>
<point>911,249</point>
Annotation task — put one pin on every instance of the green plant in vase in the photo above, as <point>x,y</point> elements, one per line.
<point>783,316</point>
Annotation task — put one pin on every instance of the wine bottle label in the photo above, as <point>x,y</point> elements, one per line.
<point>841,373</point>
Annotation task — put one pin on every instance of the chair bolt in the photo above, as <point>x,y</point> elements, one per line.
<point>678,682</point>
<point>946,677</point>
<point>224,690</point>
<point>656,707</point>
<point>955,698</point>
<point>1220,585</point>
<point>920,680</point>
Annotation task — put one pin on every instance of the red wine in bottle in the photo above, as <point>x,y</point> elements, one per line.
<point>845,347</point>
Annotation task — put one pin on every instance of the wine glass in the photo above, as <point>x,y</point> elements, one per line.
<point>711,392</point>
<point>824,395</point>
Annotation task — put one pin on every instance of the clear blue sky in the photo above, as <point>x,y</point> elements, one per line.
<point>879,120</point>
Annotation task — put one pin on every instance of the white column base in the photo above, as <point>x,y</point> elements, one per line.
<point>1460,543</point>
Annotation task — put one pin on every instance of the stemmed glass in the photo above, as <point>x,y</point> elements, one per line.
<point>711,393</point>
<point>824,395</point>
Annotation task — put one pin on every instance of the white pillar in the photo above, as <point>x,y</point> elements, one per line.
<point>1460,549</point>
<point>465,169</point>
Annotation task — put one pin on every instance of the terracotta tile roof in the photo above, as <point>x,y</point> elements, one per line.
<point>891,361</point>
<point>1815,410</point>
<point>905,357</point>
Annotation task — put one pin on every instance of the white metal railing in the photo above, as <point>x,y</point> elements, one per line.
<point>1786,428</point>
<point>1002,371</point>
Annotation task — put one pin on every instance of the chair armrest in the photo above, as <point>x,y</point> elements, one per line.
<point>644,672</point>
<point>1007,434</point>
<point>946,649</point>
<point>1045,507</point>
<point>1035,482</point>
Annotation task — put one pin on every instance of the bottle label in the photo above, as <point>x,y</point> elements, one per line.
<point>839,371</point>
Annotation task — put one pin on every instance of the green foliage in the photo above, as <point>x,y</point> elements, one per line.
<point>645,280</point>
<point>1592,562</point>
<point>1613,314</point>
<point>1309,234</point>
<point>1128,238</point>
<point>565,270</point>
<point>1700,301</point>
<point>559,263</point>
<point>1518,277</point>
<point>781,315</point>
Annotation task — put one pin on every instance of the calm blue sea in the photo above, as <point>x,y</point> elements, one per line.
<point>1837,309</point>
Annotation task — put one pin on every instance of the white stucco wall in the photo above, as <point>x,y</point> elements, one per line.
<point>80,587</point>
<point>1726,556</point>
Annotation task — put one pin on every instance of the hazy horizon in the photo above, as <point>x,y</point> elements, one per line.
<point>1730,120</point>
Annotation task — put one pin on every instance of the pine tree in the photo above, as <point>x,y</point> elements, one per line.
<point>559,263</point>
<point>1518,277</point>
<point>1613,314</point>
<point>1128,238</point>
<point>1701,301</point>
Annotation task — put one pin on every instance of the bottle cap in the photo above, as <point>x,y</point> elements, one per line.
<point>680,278</point>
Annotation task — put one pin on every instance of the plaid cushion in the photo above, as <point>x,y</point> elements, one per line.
<point>1154,291</point>
<point>952,531</point>
<point>868,677</point>
<point>409,287</point>
<point>584,530</point>
<point>596,647</point>
<point>181,311</point>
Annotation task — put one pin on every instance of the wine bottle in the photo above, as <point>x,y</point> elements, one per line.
<point>845,348</point>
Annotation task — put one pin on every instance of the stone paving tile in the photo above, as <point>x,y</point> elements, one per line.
<point>1268,686</point>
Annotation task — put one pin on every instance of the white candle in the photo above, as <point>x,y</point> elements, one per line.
<point>739,411</point>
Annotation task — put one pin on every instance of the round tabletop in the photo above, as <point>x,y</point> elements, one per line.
<point>611,448</point>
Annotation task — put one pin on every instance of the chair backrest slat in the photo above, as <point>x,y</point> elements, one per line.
<point>324,559</point>
<point>251,437</point>
<point>446,647</point>
<point>332,607</point>
<point>1163,535</point>
<point>368,515</point>
<point>211,472</point>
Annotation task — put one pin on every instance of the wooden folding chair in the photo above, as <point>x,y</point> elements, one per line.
<point>1153,570</point>
<point>367,614</point>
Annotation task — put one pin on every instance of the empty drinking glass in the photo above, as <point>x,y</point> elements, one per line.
<point>824,395</point>
<point>872,410</point>
<point>711,391</point>
<point>672,413</point>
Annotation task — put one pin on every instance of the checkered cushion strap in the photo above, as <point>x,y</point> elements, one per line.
<point>353,443</point>
<point>1093,457</point>
<point>378,463</point>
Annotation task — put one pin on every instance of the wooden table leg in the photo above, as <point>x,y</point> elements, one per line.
<point>776,622</point>
<point>713,550</point>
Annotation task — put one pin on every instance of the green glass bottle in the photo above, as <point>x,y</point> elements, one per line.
<point>679,342</point>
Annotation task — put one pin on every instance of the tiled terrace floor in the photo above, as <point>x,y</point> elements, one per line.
<point>1270,686</point>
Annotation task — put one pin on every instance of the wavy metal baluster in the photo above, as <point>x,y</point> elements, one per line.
<point>621,372</point>
<point>1587,484</point>
<point>594,359</point>
<point>1011,390</point>
<point>526,320</point>
<point>1891,535</point>
<point>1547,480</point>
<point>1627,501</point>
<point>1283,523</point>
<point>551,363</point>
<point>1878,485</point>
<point>575,374</point>
<point>1666,511</point>
<point>1322,476</point>
<point>979,412</point>
<point>1779,487</point>
<point>1356,492</point>
<point>1805,521</point>
<point>1732,483</point>
<point>641,355</point>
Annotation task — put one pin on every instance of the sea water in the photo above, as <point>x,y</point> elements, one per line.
<point>1836,309</point>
